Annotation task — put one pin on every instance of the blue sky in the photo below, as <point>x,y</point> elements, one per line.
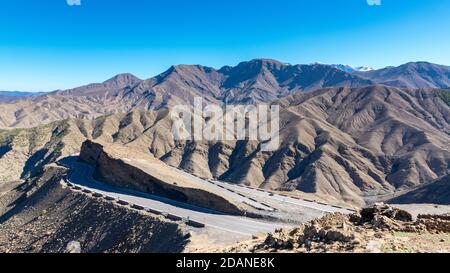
<point>48,45</point>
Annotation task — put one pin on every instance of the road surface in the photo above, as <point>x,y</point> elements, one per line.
<point>81,176</point>
<point>261,195</point>
<point>212,187</point>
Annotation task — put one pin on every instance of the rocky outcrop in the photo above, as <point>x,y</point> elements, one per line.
<point>45,216</point>
<point>373,229</point>
<point>129,176</point>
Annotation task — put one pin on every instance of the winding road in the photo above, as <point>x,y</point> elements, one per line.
<point>251,194</point>
<point>82,176</point>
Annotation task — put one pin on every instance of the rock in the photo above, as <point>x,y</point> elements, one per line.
<point>403,216</point>
<point>434,224</point>
<point>367,231</point>
<point>374,246</point>
<point>370,213</point>
<point>385,223</point>
<point>322,233</point>
<point>355,218</point>
<point>73,247</point>
<point>311,231</point>
<point>339,236</point>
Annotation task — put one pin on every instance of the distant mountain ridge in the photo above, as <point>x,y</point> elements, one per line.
<point>249,82</point>
<point>19,93</point>
<point>258,80</point>
<point>255,81</point>
<point>10,96</point>
<point>116,83</point>
<point>411,75</point>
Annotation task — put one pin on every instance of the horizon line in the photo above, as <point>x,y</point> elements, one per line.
<point>216,68</point>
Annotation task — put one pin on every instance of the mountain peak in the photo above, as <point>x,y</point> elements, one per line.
<point>265,62</point>
<point>183,70</point>
<point>253,67</point>
<point>122,80</point>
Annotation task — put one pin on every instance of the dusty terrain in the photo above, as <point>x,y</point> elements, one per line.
<point>42,215</point>
<point>375,229</point>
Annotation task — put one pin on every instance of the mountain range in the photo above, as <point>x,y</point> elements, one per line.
<point>251,82</point>
<point>343,136</point>
<point>343,144</point>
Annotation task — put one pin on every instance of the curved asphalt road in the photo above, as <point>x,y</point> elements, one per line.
<point>81,176</point>
<point>233,190</point>
<point>260,194</point>
<point>217,189</point>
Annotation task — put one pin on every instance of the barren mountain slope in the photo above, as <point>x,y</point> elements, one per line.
<point>42,215</point>
<point>437,192</point>
<point>341,143</point>
<point>12,96</point>
<point>411,75</point>
<point>250,82</point>
<point>264,80</point>
<point>108,88</point>
<point>337,142</point>
<point>411,128</point>
<point>24,151</point>
<point>89,101</point>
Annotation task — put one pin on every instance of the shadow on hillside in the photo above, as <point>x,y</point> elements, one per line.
<point>4,150</point>
<point>37,161</point>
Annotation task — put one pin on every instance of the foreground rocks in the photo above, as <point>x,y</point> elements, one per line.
<point>380,228</point>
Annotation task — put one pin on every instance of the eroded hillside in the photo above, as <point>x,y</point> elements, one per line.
<point>341,143</point>
<point>42,215</point>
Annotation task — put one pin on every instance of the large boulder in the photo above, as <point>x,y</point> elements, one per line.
<point>382,211</point>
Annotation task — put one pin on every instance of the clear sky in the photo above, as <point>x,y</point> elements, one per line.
<point>48,45</point>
